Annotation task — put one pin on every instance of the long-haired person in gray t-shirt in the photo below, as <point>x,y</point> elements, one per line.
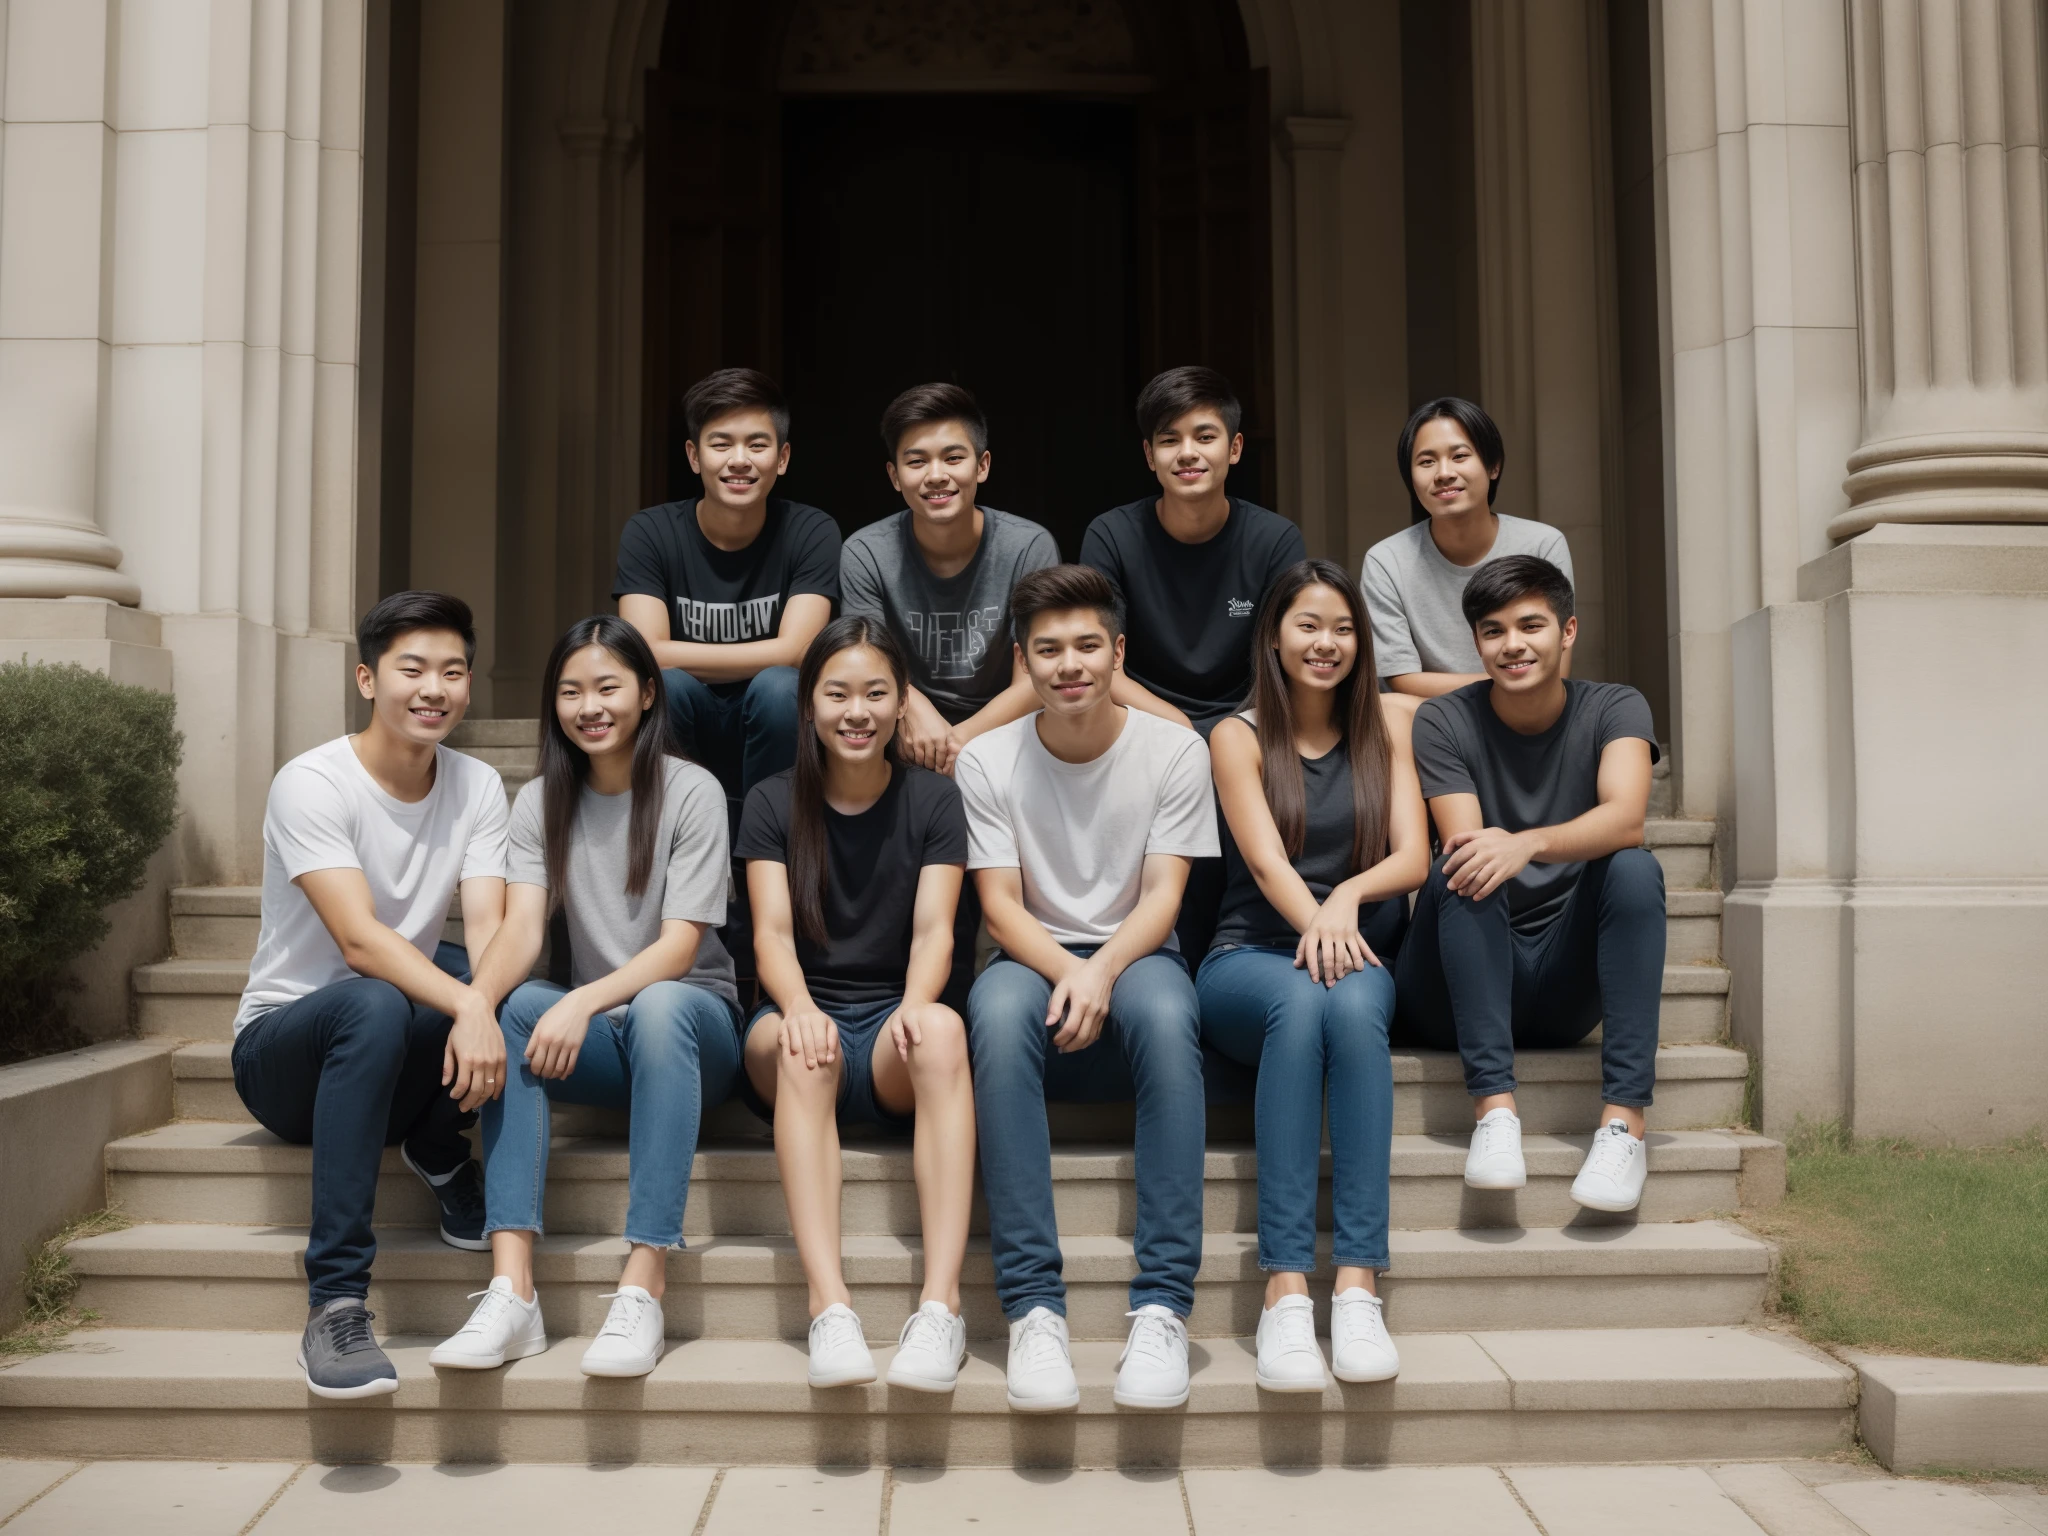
<point>628,840</point>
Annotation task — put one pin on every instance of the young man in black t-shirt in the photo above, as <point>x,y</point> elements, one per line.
<point>1191,563</point>
<point>1545,915</point>
<point>730,587</point>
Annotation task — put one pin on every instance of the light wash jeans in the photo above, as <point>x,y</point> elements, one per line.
<point>1306,1039</point>
<point>674,1055</point>
<point>1148,1051</point>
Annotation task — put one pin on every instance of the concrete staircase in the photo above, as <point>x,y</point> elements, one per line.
<point>1529,1330</point>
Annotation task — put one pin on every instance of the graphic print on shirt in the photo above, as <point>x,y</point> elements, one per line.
<point>1242,607</point>
<point>726,623</point>
<point>952,645</point>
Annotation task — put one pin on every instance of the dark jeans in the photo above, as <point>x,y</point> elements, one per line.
<point>1466,979</point>
<point>743,735</point>
<point>350,1070</point>
<point>1149,1051</point>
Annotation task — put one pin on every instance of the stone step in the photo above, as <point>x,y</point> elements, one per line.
<point>203,1084</point>
<point>1614,1395</point>
<point>1690,1274</point>
<point>209,1172</point>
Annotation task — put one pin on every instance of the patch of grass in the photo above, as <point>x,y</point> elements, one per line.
<point>2025,1476</point>
<point>48,1288</point>
<point>1909,1249</point>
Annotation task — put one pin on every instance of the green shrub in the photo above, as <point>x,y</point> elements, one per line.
<point>88,792</point>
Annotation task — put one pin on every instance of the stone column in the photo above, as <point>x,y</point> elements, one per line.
<point>1315,150</point>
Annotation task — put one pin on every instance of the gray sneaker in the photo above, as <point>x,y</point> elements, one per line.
<point>340,1356</point>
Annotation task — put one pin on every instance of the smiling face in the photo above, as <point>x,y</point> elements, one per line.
<point>739,456</point>
<point>599,702</point>
<point>1445,469</point>
<point>420,688</point>
<point>1318,640</point>
<point>855,704</point>
<point>937,469</point>
<point>1522,646</point>
<point>1192,454</point>
<point>1071,659</point>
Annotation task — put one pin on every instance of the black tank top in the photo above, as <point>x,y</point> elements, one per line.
<point>1324,863</point>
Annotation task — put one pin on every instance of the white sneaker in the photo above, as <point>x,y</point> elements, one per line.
<point>1495,1160</point>
<point>501,1328</point>
<point>1289,1359</point>
<point>631,1341</point>
<point>929,1350</point>
<point>1360,1349</point>
<point>1152,1372</point>
<point>1612,1177</point>
<point>1040,1375</point>
<point>839,1355</point>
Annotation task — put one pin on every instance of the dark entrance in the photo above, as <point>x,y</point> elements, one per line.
<point>1048,252</point>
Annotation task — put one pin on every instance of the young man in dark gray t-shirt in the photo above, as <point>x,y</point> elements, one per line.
<point>939,574</point>
<point>1545,915</point>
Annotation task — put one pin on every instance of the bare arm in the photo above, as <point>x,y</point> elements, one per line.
<point>1017,933</point>
<point>802,617</point>
<point>1013,703</point>
<point>1480,858</point>
<point>1132,694</point>
<point>806,1029</point>
<point>931,933</point>
<point>509,958</point>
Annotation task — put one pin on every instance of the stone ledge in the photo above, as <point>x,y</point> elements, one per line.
<point>1919,1413</point>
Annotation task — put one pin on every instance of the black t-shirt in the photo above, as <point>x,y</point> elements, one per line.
<point>872,863</point>
<point>1189,607</point>
<point>1328,827</point>
<point>1544,780</point>
<point>727,596</point>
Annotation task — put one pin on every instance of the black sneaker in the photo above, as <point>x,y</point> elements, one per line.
<point>340,1356</point>
<point>461,1197</point>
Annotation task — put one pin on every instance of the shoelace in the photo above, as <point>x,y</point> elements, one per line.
<point>1364,1313</point>
<point>1155,1339</point>
<point>924,1331</point>
<point>624,1317</point>
<point>495,1302</point>
<point>348,1330</point>
<point>839,1329</point>
<point>1039,1344</point>
<point>1296,1328</point>
<point>1497,1136</point>
<point>1611,1151</point>
<point>464,1193</point>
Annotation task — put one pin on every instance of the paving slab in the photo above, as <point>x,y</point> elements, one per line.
<point>1597,1501</point>
<point>799,1500</point>
<point>1894,1507</point>
<point>2030,1505</point>
<point>1967,1414</point>
<point>175,1498</point>
<point>1648,1368</point>
<point>1387,1501</point>
<point>347,1501</point>
<point>21,1481</point>
<point>1000,1502</point>
<point>1780,1502</point>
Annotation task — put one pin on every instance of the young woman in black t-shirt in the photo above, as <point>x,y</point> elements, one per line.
<point>1325,836</point>
<point>854,863</point>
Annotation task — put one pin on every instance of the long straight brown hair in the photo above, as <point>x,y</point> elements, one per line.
<point>1357,712</point>
<point>808,850</point>
<point>565,767</point>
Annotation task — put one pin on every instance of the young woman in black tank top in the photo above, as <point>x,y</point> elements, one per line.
<point>1325,835</point>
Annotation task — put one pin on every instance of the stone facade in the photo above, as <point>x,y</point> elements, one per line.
<point>206,422</point>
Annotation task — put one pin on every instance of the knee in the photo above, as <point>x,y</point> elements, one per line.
<point>1438,889</point>
<point>1158,1012</point>
<point>1360,1007</point>
<point>771,697</point>
<point>520,1012</point>
<point>1005,1019</point>
<point>664,1014</point>
<point>371,1021</point>
<point>941,1051</point>
<point>1634,875</point>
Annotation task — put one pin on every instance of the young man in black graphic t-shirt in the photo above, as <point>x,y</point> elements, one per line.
<point>1191,564</point>
<point>729,587</point>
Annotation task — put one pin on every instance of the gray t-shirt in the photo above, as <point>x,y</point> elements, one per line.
<point>691,872</point>
<point>956,630</point>
<point>1413,595</point>
<point>1544,780</point>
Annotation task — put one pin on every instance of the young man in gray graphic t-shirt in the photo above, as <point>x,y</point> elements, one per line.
<point>939,574</point>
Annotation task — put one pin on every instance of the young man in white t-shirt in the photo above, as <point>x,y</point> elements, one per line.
<point>359,1028</point>
<point>1082,821</point>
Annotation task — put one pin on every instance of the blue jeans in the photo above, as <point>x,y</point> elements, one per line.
<point>673,1056</point>
<point>743,735</point>
<point>1467,979</point>
<point>1149,1050</point>
<point>1260,1010</point>
<point>350,1070</point>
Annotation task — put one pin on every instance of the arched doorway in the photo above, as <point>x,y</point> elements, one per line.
<point>1046,202</point>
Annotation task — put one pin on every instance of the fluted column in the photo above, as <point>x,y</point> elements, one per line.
<point>1952,253</point>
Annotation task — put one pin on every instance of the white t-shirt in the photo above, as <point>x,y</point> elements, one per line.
<point>1415,597</point>
<point>1079,833</point>
<point>326,812</point>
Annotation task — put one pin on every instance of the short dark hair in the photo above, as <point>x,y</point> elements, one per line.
<point>1059,589</point>
<point>734,389</point>
<point>923,404</point>
<point>1479,430</point>
<point>1172,394</point>
<point>1511,578</point>
<point>404,612</point>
